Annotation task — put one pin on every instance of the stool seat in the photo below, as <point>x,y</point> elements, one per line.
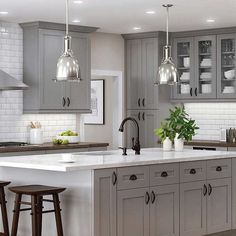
<point>36,190</point>
<point>4,183</point>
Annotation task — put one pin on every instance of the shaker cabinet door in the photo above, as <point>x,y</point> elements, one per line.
<point>149,73</point>
<point>135,92</point>
<point>133,212</point>
<point>78,93</point>
<point>52,94</point>
<point>193,202</point>
<point>104,203</point>
<point>164,210</point>
<point>219,205</point>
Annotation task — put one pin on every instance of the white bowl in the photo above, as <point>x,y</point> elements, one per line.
<point>71,139</point>
<point>229,74</point>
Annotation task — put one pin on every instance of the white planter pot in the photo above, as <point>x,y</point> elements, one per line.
<point>167,145</point>
<point>179,144</point>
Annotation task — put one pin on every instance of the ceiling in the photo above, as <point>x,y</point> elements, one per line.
<point>122,16</point>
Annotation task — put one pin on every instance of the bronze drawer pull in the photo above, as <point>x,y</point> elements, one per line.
<point>192,172</point>
<point>219,168</point>
<point>133,177</point>
<point>164,174</point>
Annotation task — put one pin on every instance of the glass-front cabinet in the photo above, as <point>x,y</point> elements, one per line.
<point>195,58</point>
<point>184,58</point>
<point>226,66</point>
<point>205,66</point>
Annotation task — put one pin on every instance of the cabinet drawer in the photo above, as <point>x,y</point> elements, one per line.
<point>164,174</point>
<point>192,171</point>
<point>218,169</point>
<point>132,177</point>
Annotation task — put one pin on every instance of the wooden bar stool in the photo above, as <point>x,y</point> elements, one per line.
<point>4,208</point>
<point>37,193</point>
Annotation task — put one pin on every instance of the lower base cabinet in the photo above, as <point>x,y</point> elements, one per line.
<point>133,212</point>
<point>205,207</point>
<point>164,210</point>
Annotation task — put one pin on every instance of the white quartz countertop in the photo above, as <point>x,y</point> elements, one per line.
<point>108,159</point>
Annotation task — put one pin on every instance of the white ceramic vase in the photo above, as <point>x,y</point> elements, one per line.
<point>167,145</point>
<point>179,144</point>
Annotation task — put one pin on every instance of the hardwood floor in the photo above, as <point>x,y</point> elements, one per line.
<point>226,233</point>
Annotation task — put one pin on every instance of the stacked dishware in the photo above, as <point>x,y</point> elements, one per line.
<point>185,77</point>
<point>206,88</point>
<point>186,62</point>
<point>205,76</point>
<point>206,62</point>
<point>228,89</point>
<point>229,74</point>
<point>185,88</point>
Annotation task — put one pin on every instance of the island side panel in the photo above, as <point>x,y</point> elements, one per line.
<point>76,201</point>
<point>234,193</point>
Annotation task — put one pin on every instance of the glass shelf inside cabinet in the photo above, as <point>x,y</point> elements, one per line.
<point>183,65</point>
<point>228,66</point>
<point>205,66</point>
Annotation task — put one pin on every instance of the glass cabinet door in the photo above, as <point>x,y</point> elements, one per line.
<point>205,58</point>
<point>184,59</point>
<point>226,66</point>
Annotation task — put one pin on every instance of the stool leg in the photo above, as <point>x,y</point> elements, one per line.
<point>40,208</point>
<point>4,212</point>
<point>57,209</point>
<point>34,215</point>
<point>16,214</point>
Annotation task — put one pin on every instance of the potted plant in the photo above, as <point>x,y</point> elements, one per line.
<point>166,136</point>
<point>183,127</point>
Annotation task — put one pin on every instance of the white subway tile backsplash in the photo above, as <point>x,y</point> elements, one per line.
<point>14,126</point>
<point>211,117</point>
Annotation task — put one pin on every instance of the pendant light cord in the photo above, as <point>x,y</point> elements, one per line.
<point>67,17</point>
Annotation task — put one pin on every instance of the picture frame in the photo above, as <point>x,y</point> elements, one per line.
<point>97,117</point>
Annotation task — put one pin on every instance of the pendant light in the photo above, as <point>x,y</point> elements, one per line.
<point>68,68</point>
<point>167,72</point>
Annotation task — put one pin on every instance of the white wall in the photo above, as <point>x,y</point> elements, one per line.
<point>211,117</point>
<point>13,125</point>
<point>107,54</point>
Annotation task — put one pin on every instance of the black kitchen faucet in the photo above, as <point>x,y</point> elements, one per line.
<point>135,143</point>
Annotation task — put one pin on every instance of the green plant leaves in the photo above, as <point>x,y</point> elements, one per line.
<point>178,122</point>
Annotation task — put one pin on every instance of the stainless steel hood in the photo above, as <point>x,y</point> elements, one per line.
<point>7,82</point>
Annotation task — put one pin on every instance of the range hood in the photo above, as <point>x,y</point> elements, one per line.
<point>7,82</point>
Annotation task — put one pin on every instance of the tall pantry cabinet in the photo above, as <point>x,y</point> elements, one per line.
<point>144,99</point>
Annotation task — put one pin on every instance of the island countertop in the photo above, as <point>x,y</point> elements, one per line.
<point>109,159</point>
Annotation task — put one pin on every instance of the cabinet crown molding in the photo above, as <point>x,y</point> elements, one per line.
<point>58,26</point>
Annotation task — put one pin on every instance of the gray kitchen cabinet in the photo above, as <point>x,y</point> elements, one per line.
<point>142,60</point>
<point>196,63</point>
<point>133,212</point>
<point>134,73</point>
<point>193,202</point>
<point>164,210</point>
<point>226,87</point>
<point>183,55</point>
<point>43,45</point>
<point>105,203</point>
<point>219,205</point>
<point>205,70</point>
<point>148,120</point>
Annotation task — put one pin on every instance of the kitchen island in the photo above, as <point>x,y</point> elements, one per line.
<point>186,193</point>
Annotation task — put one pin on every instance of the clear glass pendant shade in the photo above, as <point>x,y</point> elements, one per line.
<point>167,72</point>
<point>68,68</point>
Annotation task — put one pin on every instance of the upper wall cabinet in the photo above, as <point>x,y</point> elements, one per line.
<point>43,45</point>
<point>196,63</point>
<point>226,66</point>
<point>141,71</point>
